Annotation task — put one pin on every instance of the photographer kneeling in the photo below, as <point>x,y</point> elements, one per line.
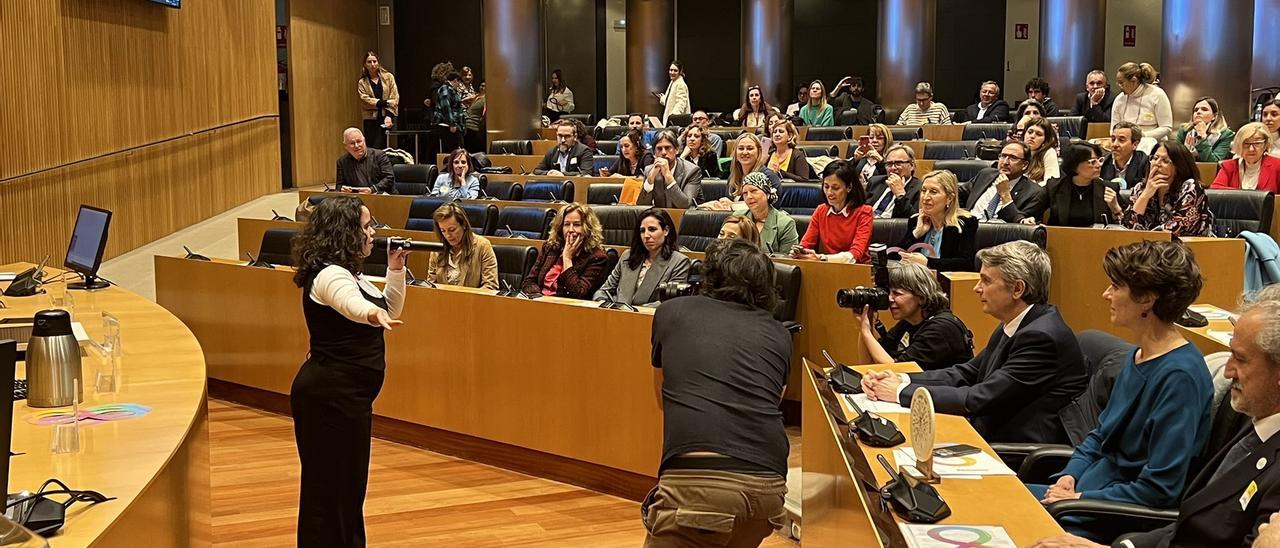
<point>720,366</point>
<point>926,333</point>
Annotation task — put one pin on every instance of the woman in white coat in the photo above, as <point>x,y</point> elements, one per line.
<point>676,98</point>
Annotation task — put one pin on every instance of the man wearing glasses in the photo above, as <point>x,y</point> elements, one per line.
<point>714,141</point>
<point>897,193</point>
<point>1002,194</point>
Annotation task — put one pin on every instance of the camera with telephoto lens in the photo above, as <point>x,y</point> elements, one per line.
<point>876,297</point>
<point>671,290</point>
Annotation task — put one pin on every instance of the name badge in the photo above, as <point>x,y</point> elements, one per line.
<point>1248,495</point>
<point>573,161</point>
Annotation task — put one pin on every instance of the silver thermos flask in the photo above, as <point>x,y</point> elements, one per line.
<point>53,361</point>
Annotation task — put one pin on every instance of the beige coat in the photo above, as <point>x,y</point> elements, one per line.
<point>480,271</point>
<point>390,92</point>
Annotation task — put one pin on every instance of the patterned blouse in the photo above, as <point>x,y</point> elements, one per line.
<point>1186,214</point>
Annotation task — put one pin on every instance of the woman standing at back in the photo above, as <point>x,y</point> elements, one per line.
<point>1142,102</point>
<point>380,100</point>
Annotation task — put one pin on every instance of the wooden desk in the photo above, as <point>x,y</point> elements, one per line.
<point>1200,335</point>
<point>1098,130</point>
<point>943,132</point>
<point>156,465</point>
<point>1208,171</point>
<point>843,509</point>
<point>458,379</point>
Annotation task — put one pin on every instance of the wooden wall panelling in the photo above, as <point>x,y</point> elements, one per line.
<point>327,38</point>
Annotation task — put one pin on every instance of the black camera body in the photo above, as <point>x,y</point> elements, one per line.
<point>671,290</point>
<point>876,297</point>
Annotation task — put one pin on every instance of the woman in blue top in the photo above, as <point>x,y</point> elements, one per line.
<point>1157,418</point>
<point>461,182</point>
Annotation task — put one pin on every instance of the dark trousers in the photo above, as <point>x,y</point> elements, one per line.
<point>698,508</point>
<point>332,405</point>
<point>374,135</point>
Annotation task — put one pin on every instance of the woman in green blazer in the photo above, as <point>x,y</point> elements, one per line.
<point>1206,135</point>
<point>777,229</point>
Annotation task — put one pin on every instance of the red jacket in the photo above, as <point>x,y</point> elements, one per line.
<point>1268,178</point>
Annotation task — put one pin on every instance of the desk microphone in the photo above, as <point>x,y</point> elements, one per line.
<point>554,199</point>
<point>378,224</point>
<point>278,217</point>
<point>513,234</point>
<point>328,188</point>
<point>193,255</point>
<point>411,280</point>
<point>523,171</point>
<point>257,262</point>
<point>844,380</point>
<point>485,195</point>
<point>874,430</point>
<point>396,243</point>
<point>616,200</point>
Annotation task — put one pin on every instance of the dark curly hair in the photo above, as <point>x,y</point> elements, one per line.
<point>333,236</point>
<point>1161,269</point>
<point>738,271</point>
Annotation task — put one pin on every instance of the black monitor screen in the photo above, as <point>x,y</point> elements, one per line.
<point>88,240</point>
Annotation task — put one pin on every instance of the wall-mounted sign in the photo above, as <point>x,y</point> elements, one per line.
<point>1130,36</point>
<point>1021,31</point>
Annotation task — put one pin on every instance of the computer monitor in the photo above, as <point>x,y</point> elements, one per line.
<point>88,241</point>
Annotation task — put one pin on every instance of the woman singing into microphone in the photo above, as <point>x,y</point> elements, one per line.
<point>332,396</point>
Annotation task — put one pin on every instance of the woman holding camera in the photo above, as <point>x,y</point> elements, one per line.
<point>926,333</point>
<point>332,395</point>
<point>651,262</point>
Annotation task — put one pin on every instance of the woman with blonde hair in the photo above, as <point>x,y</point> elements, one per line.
<point>948,230</point>
<point>1142,102</point>
<point>816,112</point>
<point>1207,135</point>
<point>787,160</point>
<point>1040,136</point>
<point>697,149</point>
<point>869,158</point>
<point>379,98</point>
<point>739,226</point>
<point>1252,168</point>
<point>747,159</point>
<point>571,263</point>
<point>468,259</point>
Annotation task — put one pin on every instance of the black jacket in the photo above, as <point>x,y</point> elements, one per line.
<point>1099,113</point>
<point>958,245</point>
<point>1060,193</point>
<point>866,109</point>
<point>941,340</point>
<point>999,112</point>
<point>1134,172</point>
<point>1013,389</point>
<point>905,206</point>
<point>1029,200</point>
<point>1219,513</point>
<point>581,161</point>
<point>861,164</point>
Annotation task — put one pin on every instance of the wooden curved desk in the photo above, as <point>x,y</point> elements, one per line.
<point>157,466</point>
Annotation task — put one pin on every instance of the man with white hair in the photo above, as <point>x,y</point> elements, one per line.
<point>1031,367</point>
<point>1238,490</point>
<point>363,170</point>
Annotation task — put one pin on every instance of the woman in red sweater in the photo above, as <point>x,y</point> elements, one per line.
<point>840,230</point>
<point>1252,168</point>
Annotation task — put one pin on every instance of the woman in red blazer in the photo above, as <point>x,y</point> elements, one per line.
<point>1252,168</point>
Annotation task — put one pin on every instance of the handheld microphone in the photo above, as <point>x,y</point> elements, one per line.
<point>397,243</point>
<point>513,234</point>
<point>278,217</point>
<point>193,255</point>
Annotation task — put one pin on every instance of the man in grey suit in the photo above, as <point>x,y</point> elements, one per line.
<point>670,181</point>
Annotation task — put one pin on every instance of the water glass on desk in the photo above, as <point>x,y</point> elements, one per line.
<point>66,433</point>
<point>59,297</point>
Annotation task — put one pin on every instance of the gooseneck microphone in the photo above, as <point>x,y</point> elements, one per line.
<point>395,243</point>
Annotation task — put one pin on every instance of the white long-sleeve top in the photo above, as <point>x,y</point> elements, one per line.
<point>1148,108</point>
<point>339,289</point>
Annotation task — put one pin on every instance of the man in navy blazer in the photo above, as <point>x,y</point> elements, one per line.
<point>1004,193</point>
<point>1032,365</point>
<point>1239,488</point>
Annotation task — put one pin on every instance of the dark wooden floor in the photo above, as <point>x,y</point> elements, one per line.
<point>415,498</point>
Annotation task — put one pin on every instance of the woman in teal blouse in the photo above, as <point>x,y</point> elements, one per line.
<point>1157,418</point>
<point>777,229</point>
<point>1207,135</point>
<point>817,112</point>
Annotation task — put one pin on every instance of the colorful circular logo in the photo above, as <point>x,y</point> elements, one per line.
<point>90,415</point>
<point>961,536</point>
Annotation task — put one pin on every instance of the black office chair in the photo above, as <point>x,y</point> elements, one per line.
<point>889,232</point>
<point>603,194</point>
<point>514,262</point>
<point>788,284</point>
<point>828,133</point>
<point>1069,127</point>
<point>603,161</point>
<point>800,198</point>
<point>511,146</point>
<point>679,121</point>
<point>610,133</point>
<point>714,189</point>
<point>699,228</point>
<point>906,133</point>
<point>814,151</point>
<point>612,261</point>
<point>726,134</point>
<point>974,132</point>
<point>420,212</point>
<point>1235,211</point>
<point>414,179</point>
<point>547,191</point>
<point>802,223</point>
<point>315,199</point>
<point>619,222</point>
<point>606,147</point>
<point>585,117</point>
<point>277,246</point>
<point>964,170</point>
<point>483,218</point>
<point>994,234</point>
<point>376,263</point>
<point>504,190</point>
<point>949,150</point>
<point>524,222</point>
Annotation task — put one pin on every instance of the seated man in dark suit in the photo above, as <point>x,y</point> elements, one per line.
<point>569,157</point>
<point>1239,488</point>
<point>1126,163</point>
<point>897,193</point>
<point>1094,103</point>
<point>670,181</point>
<point>1030,368</point>
<point>363,170</point>
<point>990,108</point>
<point>1003,193</point>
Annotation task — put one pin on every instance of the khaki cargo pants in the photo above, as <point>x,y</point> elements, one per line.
<point>692,508</point>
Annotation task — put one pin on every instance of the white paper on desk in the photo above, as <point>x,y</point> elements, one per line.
<point>1211,312</point>
<point>950,536</point>
<point>8,276</point>
<point>880,407</point>
<point>975,465</point>
<point>77,328</point>
<point>1223,337</point>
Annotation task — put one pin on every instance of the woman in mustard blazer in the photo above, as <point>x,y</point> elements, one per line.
<point>468,258</point>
